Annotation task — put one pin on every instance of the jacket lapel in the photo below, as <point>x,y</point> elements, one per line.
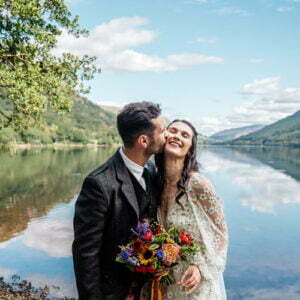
<point>126,184</point>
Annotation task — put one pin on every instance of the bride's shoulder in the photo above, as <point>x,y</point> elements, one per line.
<point>200,183</point>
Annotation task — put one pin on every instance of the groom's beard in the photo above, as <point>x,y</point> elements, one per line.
<point>154,147</point>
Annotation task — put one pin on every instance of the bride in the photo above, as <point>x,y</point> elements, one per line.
<point>189,202</point>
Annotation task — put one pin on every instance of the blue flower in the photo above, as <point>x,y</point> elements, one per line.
<point>124,254</point>
<point>160,254</point>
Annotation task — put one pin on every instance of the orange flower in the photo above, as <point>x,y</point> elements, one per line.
<point>137,244</point>
<point>171,253</point>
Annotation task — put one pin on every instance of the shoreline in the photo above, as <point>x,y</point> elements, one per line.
<point>53,145</point>
<point>15,146</point>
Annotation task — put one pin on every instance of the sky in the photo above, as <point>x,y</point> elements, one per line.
<point>219,64</point>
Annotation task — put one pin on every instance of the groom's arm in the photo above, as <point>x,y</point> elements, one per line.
<point>89,222</point>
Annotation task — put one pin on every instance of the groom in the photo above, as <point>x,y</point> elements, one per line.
<point>112,200</point>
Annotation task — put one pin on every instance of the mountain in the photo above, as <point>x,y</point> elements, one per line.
<point>85,123</point>
<point>205,140</point>
<point>110,108</point>
<point>283,132</point>
<point>230,134</point>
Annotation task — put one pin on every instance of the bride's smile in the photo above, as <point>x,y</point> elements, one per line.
<point>179,139</point>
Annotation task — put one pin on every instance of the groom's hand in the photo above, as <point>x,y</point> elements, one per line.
<point>191,278</point>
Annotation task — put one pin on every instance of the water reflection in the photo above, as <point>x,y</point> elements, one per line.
<point>261,197</point>
<point>33,182</point>
<point>262,209</point>
<point>261,187</point>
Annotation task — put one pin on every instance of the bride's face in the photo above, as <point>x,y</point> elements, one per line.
<point>179,139</point>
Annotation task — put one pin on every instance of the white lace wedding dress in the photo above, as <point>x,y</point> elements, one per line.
<point>202,217</point>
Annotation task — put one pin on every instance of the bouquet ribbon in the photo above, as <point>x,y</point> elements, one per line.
<point>156,290</point>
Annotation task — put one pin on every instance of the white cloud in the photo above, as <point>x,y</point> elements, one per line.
<point>53,236</point>
<point>267,103</point>
<point>206,41</point>
<point>263,187</point>
<point>256,60</point>
<point>261,86</point>
<point>226,11</point>
<point>284,9</point>
<point>113,42</point>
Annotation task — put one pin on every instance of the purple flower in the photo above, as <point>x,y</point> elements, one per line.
<point>142,228</point>
<point>160,254</point>
<point>131,252</point>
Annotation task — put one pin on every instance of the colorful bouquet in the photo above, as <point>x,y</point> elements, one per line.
<point>153,251</point>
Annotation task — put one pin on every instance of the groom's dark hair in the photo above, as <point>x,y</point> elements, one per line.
<point>135,119</point>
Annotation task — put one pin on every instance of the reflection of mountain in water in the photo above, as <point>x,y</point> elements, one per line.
<point>284,159</point>
<point>33,182</point>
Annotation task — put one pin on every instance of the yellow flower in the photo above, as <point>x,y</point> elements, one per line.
<point>169,240</point>
<point>146,257</point>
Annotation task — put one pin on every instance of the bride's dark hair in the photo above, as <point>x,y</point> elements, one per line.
<point>190,163</point>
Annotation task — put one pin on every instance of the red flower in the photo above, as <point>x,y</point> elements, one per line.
<point>145,269</point>
<point>157,229</point>
<point>185,238</point>
<point>148,236</point>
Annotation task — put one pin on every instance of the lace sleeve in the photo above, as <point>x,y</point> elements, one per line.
<point>208,208</point>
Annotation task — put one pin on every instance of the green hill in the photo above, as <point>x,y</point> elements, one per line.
<point>283,132</point>
<point>86,123</point>
<point>233,133</point>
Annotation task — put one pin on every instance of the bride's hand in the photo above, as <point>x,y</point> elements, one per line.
<point>191,278</point>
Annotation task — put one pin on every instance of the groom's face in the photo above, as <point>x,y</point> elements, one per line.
<point>158,138</point>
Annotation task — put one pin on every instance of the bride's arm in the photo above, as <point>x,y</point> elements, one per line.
<point>211,227</point>
<point>203,190</point>
<point>211,230</point>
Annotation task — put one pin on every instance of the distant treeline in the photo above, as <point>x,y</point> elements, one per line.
<point>86,123</point>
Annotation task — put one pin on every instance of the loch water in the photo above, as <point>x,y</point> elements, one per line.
<point>260,189</point>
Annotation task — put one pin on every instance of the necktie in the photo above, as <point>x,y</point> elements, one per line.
<point>146,177</point>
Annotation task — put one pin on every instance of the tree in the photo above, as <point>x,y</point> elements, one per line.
<point>32,79</point>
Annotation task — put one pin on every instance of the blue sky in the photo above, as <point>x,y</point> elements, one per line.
<point>220,64</point>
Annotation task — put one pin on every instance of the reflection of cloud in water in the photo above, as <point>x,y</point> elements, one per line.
<point>54,236</point>
<point>6,273</point>
<point>289,292</point>
<point>67,287</point>
<point>4,244</point>
<point>263,187</point>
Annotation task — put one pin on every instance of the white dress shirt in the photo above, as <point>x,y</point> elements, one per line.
<point>135,169</point>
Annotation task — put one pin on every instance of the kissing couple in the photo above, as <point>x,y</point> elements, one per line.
<point>128,188</point>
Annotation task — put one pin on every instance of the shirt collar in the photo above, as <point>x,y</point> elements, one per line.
<point>133,167</point>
